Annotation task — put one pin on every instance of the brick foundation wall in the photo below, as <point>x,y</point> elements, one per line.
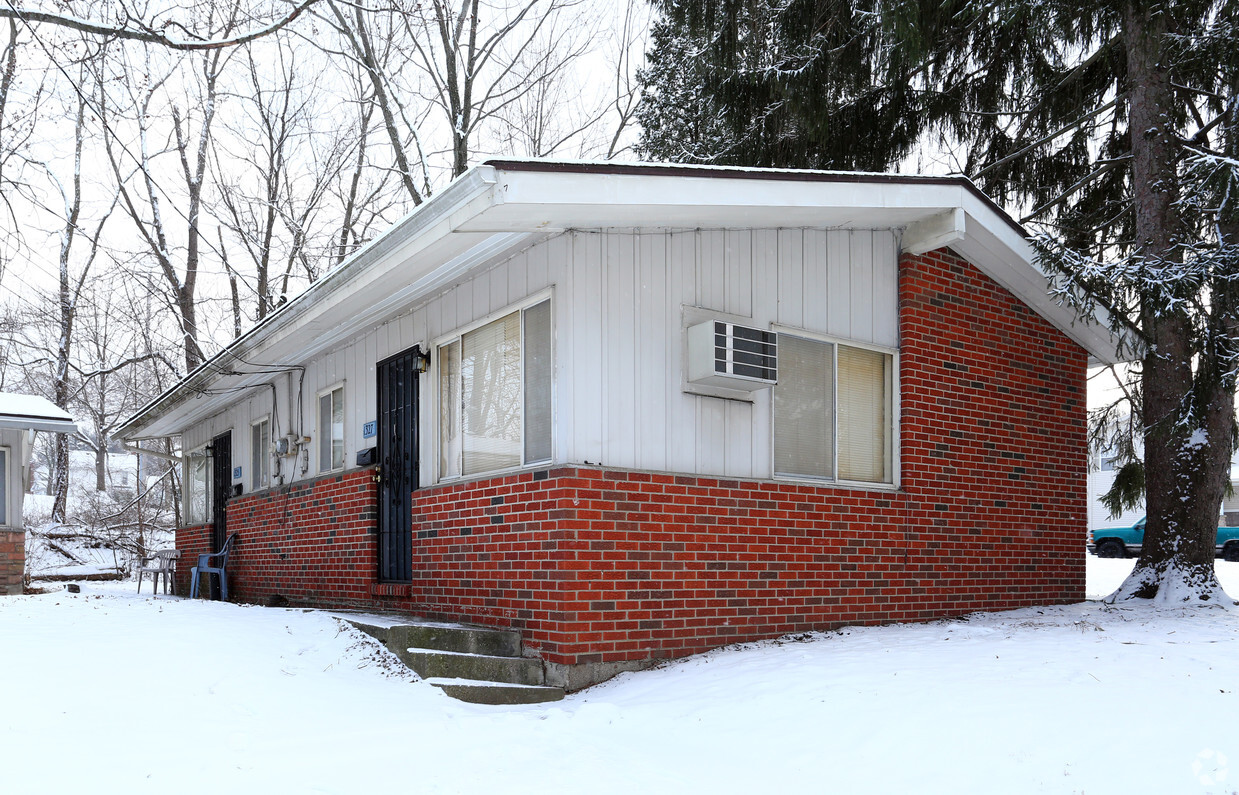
<point>12,561</point>
<point>599,565</point>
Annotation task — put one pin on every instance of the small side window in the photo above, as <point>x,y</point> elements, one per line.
<point>197,486</point>
<point>260,454</point>
<point>331,430</point>
<point>4,486</point>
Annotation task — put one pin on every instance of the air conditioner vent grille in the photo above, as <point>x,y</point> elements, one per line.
<point>730,356</point>
<point>746,352</point>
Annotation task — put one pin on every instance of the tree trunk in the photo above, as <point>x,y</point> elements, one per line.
<point>101,467</point>
<point>1183,475</point>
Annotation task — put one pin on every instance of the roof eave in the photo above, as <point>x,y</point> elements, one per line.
<point>485,201</point>
<point>477,183</point>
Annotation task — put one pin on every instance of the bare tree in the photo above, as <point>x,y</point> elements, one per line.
<point>371,41</point>
<point>482,59</point>
<point>274,174</point>
<point>627,52</point>
<point>110,368</point>
<point>121,22</point>
<point>143,195</point>
<point>71,282</point>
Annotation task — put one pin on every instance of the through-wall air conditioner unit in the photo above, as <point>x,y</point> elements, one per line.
<point>726,355</point>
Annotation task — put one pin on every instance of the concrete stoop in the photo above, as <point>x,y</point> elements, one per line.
<point>482,666</point>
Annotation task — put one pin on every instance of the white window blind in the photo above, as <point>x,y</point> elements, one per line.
<point>804,422</point>
<point>864,415</point>
<point>833,412</point>
<point>538,375</point>
<point>490,377</point>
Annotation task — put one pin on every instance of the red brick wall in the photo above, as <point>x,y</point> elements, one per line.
<point>192,541</point>
<point>599,565</point>
<point>12,561</point>
<point>312,543</point>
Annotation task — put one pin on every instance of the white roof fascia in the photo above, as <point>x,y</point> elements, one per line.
<point>537,200</point>
<point>1007,257</point>
<point>34,413</point>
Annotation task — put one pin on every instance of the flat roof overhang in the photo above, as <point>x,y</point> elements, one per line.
<point>34,413</point>
<point>498,208</point>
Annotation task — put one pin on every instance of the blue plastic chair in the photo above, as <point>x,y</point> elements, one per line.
<point>204,567</point>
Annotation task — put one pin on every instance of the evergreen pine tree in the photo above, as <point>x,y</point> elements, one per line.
<point>1114,122</point>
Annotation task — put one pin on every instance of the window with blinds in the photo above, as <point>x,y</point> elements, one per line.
<point>495,394</point>
<point>833,412</point>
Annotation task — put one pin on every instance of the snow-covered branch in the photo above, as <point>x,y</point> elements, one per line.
<point>136,30</point>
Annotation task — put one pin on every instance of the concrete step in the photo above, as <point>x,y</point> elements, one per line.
<point>484,692</point>
<point>483,666</point>
<point>445,637</point>
<point>432,663</point>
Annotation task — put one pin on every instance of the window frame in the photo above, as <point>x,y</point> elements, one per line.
<point>6,499</point>
<point>255,485</point>
<point>191,519</point>
<point>895,420</point>
<point>326,436</point>
<point>436,408</point>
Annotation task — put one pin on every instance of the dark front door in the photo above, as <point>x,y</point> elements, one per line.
<point>397,456</point>
<point>221,490</point>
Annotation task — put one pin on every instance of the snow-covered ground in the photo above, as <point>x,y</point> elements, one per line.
<point>108,692</point>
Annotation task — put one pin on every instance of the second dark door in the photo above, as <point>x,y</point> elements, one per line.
<point>221,490</point>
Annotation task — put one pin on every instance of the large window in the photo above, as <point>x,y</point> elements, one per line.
<point>260,454</point>
<point>331,430</point>
<point>4,486</point>
<point>495,394</point>
<point>197,487</point>
<point>833,411</point>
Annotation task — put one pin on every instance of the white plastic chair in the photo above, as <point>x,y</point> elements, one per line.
<point>160,562</point>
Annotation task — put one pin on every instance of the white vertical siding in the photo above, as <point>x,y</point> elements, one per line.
<point>657,320</point>
<point>618,306</point>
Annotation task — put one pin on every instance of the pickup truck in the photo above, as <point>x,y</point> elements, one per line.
<point>1119,542</point>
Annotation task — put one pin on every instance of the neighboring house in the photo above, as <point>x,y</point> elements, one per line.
<point>1100,479</point>
<point>20,417</point>
<point>1230,503</point>
<point>546,400</point>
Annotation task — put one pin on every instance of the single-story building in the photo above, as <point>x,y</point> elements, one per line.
<point>640,411</point>
<point>20,417</point>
